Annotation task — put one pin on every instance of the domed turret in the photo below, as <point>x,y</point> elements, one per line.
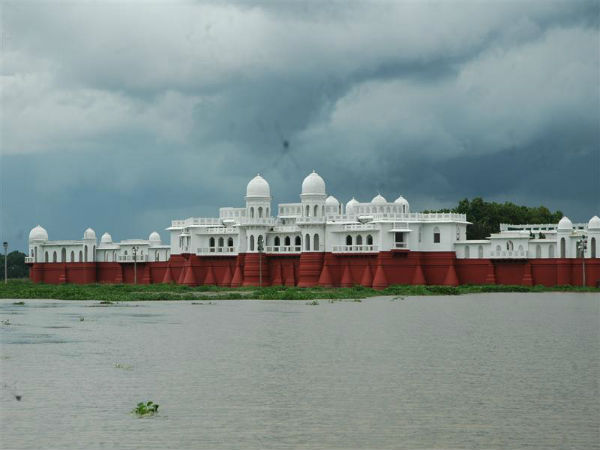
<point>594,223</point>
<point>106,239</point>
<point>38,234</point>
<point>565,224</point>
<point>379,199</point>
<point>401,200</point>
<point>351,205</point>
<point>154,238</point>
<point>313,184</point>
<point>332,201</point>
<point>258,187</point>
<point>89,234</point>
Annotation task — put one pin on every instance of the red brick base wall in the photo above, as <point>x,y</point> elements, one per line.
<point>376,270</point>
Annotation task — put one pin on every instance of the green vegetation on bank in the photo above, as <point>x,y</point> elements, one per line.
<point>24,289</point>
<point>486,217</point>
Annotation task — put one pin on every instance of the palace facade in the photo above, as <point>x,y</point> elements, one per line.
<point>321,241</point>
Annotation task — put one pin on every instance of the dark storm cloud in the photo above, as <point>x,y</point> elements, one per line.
<point>123,116</point>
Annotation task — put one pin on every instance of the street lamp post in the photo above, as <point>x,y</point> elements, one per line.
<point>582,247</point>
<point>134,249</point>
<point>260,250</point>
<point>5,245</point>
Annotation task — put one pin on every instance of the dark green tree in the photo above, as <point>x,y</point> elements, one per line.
<point>16,265</point>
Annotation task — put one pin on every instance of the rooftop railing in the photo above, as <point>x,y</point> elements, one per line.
<point>284,249</point>
<point>509,254</point>
<point>215,250</point>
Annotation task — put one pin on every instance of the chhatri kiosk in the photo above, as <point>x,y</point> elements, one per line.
<point>321,241</point>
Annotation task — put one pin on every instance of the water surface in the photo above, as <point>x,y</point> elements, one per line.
<point>475,371</point>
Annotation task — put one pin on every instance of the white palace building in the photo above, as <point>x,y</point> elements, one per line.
<point>319,223</point>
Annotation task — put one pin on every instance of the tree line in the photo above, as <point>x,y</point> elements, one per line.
<point>486,217</point>
<point>16,265</point>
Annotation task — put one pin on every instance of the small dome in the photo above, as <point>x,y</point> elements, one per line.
<point>401,200</point>
<point>38,234</point>
<point>332,201</point>
<point>350,206</point>
<point>313,184</point>
<point>89,234</point>
<point>258,187</point>
<point>106,239</point>
<point>594,223</point>
<point>154,237</point>
<point>379,199</point>
<point>565,224</point>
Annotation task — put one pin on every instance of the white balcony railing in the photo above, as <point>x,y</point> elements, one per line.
<point>217,250</point>
<point>258,221</point>
<point>286,229</point>
<point>509,254</point>
<point>196,221</point>
<point>310,220</point>
<point>29,259</point>
<point>400,245</point>
<point>354,248</point>
<point>129,258</point>
<point>284,249</point>
<point>357,227</point>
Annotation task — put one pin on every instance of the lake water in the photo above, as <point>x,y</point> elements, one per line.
<point>479,371</point>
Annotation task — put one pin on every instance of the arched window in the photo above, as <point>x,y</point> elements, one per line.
<point>307,210</point>
<point>480,251</point>
<point>509,246</point>
<point>467,251</point>
<point>307,242</point>
<point>260,243</point>
<point>348,240</point>
<point>156,256</point>
<point>316,211</point>
<point>457,233</point>
<point>403,208</point>
<point>287,241</point>
<point>323,210</point>
<point>260,211</point>
<point>252,212</point>
<point>85,253</point>
<point>436,235</point>
<point>54,256</point>
<point>563,248</point>
<point>420,233</point>
<point>251,243</point>
<point>369,239</point>
<point>35,257</point>
<point>221,242</point>
<point>538,251</point>
<point>316,243</point>
<point>498,250</point>
<point>63,255</point>
<point>72,256</point>
<point>211,242</point>
<point>230,242</point>
<point>593,247</point>
<point>277,241</point>
<point>520,249</point>
<point>81,255</point>
<point>298,241</point>
<point>94,253</point>
<point>46,259</point>
<point>267,213</point>
<point>551,251</point>
<point>105,256</point>
<point>359,240</point>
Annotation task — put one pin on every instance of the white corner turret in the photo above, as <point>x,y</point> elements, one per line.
<point>38,234</point>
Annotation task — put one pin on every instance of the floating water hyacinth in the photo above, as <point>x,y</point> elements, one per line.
<point>145,409</point>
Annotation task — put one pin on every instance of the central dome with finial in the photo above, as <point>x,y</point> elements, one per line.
<point>313,184</point>
<point>258,187</point>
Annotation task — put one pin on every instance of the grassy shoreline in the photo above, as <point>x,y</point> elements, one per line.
<point>25,289</point>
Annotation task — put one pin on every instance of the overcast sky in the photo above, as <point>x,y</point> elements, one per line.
<point>123,116</point>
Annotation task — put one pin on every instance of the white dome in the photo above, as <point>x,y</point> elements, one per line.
<point>38,234</point>
<point>313,184</point>
<point>401,200</point>
<point>350,206</point>
<point>106,239</point>
<point>154,237</point>
<point>332,201</point>
<point>379,199</point>
<point>594,223</point>
<point>258,187</point>
<point>565,224</point>
<point>89,234</point>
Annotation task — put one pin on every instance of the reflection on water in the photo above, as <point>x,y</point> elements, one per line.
<point>478,371</point>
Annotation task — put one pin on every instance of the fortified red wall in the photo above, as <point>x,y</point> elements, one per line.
<point>377,270</point>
